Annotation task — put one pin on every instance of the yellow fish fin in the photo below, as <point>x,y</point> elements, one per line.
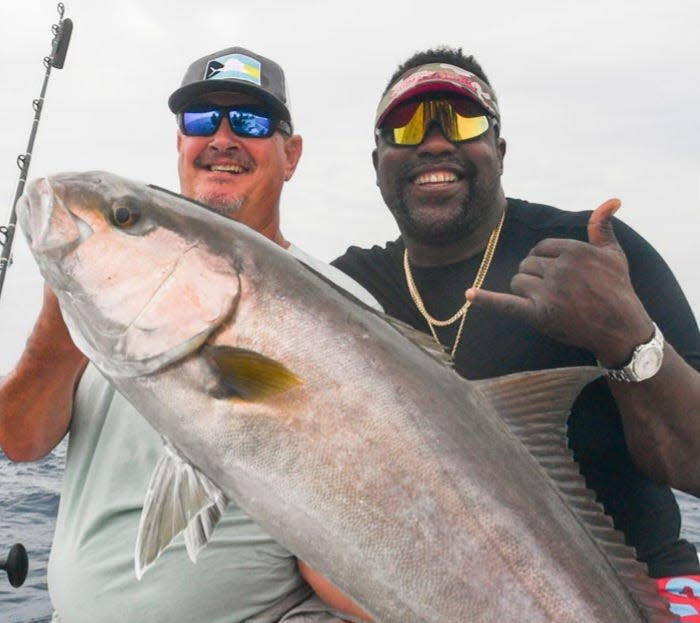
<point>249,375</point>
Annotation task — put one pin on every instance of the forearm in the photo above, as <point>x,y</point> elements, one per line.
<point>331,595</point>
<point>36,398</point>
<point>661,418</point>
<point>35,409</point>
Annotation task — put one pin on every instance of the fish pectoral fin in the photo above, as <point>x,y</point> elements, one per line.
<point>249,375</point>
<point>179,497</point>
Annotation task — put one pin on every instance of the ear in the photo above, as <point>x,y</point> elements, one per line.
<point>375,159</point>
<point>501,146</point>
<point>292,150</point>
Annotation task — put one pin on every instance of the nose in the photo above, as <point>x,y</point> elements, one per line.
<point>224,138</point>
<point>434,141</point>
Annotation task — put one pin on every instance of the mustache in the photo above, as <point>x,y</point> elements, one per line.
<point>240,160</point>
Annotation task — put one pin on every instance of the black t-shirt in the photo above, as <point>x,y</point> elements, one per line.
<point>495,344</point>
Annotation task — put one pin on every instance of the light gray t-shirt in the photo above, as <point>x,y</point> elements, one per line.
<point>111,454</point>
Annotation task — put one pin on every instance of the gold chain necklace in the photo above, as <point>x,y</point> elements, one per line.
<point>462,311</point>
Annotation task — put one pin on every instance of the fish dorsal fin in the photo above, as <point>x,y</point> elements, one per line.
<point>424,340</point>
<point>179,497</point>
<point>249,375</point>
<point>535,406</point>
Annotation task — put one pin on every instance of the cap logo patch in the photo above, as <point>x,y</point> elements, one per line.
<point>234,67</point>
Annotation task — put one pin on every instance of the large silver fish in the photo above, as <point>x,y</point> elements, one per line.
<point>425,497</point>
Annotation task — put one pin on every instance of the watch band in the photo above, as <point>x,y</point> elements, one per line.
<point>645,362</point>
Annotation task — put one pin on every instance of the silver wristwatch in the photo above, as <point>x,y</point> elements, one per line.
<point>645,362</point>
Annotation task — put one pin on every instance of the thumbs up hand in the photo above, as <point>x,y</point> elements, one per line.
<point>600,227</point>
<point>578,293</point>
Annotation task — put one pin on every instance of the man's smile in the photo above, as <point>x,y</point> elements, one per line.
<point>436,177</point>
<point>227,168</point>
<point>218,163</point>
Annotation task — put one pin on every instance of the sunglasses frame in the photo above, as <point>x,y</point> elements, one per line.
<point>277,124</point>
<point>383,131</point>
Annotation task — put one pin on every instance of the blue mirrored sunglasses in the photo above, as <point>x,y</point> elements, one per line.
<point>245,122</point>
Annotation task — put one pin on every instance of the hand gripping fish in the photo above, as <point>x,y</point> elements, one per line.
<point>344,434</point>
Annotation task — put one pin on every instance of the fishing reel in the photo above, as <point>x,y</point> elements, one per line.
<point>16,565</point>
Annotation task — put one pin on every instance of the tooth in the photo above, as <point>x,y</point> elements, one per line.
<point>227,168</point>
<point>435,178</point>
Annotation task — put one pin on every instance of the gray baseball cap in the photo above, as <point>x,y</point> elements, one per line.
<point>237,70</point>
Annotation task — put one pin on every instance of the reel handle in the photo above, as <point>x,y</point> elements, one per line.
<point>16,565</point>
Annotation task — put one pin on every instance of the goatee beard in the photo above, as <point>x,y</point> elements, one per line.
<point>472,212</point>
<point>222,204</point>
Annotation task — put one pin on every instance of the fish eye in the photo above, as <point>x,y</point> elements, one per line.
<point>125,213</point>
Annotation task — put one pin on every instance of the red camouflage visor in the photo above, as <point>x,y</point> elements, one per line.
<point>437,77</point>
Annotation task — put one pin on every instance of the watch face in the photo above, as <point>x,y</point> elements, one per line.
<point>648,363</point>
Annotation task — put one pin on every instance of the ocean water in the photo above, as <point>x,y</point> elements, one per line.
<point>29,494</point>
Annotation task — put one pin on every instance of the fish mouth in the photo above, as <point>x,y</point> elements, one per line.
<point>51,229</point>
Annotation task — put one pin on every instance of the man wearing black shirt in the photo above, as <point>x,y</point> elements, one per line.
<point>546,288</point>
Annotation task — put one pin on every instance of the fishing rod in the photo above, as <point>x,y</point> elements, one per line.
<point>59,46</point>
<point>16,564</point>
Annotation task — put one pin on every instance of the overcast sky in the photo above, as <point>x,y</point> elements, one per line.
<point>599,99</point>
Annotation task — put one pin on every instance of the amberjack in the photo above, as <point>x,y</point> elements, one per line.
<point>345,434</point>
